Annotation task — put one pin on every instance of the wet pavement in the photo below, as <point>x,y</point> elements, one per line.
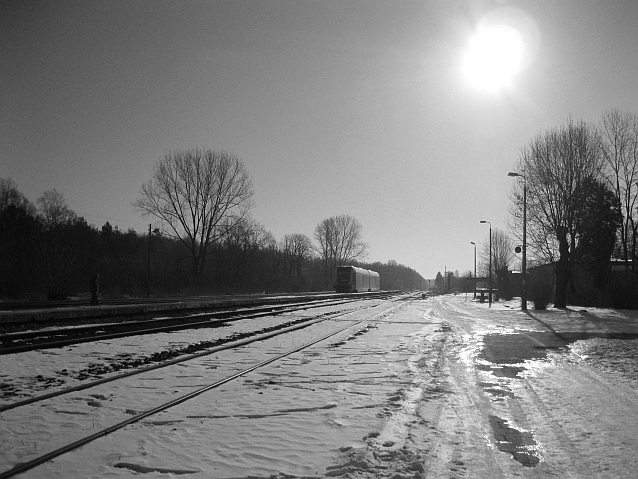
<point>520,444</point>
<point>541,394</point>
<point>516,347</point>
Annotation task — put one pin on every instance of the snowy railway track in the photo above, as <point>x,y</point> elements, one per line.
<point>11,343</point>
<point>110,407</point>
<point>92,362</point>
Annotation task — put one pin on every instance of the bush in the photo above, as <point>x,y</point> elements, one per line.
<point>540,293</point>
<point>505,290</point>
<point>623,293</point>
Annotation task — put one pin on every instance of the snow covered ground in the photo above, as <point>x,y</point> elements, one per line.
<point>259,422</point>
<point>555,391</point>
<point>444,387</point>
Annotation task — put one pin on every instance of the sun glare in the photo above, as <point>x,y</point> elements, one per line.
<point>494,57</point>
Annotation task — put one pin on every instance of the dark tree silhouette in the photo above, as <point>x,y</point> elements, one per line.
<point>556,166</point>
<point>600,220</point>
<point>340,242</point>
<point>197,195</point>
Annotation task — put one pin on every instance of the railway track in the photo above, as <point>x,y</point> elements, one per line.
<point>85,301</point>
<point>118,415</point>
<point>245,331</point>
<point>41,304</point>
<point>31,316</point>
<point>11,343</point>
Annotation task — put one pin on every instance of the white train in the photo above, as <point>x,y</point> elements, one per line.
<point>356,280</point>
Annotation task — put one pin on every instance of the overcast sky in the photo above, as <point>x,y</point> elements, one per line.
<point>335,107</point>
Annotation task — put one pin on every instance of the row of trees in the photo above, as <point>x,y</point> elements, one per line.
<point>206,241</point>
<point>582,212</point>
<point>582,193</point>
<point>40,246</point>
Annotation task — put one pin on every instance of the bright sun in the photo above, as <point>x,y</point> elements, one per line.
<point>494,56</point>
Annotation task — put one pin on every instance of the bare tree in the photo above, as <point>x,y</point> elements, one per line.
<point>243,240</point>
<point>502,251</point>
<point>193,193</point>
<point>620,150</point>
<point>503,256</point>
<point>297,251</point>
<point>556,165</point>
<point>53,209</point>
<point>340,242</point>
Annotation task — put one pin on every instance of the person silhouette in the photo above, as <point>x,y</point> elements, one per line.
<point>94,286</point>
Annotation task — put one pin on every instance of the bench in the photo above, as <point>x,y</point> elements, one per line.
<point>485,293</point>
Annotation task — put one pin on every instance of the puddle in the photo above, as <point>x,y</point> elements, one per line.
<point>503,355</point>
<point>497,390</point>
<point>511,372</point>
<point>520,444</point>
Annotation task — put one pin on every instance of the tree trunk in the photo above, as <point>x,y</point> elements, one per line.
<point>194,268</point>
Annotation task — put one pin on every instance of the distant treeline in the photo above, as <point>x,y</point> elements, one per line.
<point>49,252</point>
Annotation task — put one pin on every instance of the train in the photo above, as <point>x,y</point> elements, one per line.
<point>351,279</point>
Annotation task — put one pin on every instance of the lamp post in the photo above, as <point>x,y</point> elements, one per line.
<point>472,242</point>
<point>148,264</point>
<point>489,295</point>
<point>446,279</point>
<point>148,268</point>
<point>524,291</point>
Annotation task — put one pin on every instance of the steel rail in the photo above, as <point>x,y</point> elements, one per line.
<point>214,349</point>
<point>198,324</point>
<point>159,321</point>
<point>20,468</point>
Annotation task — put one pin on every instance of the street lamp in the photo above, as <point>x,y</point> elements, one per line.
<point>447,275</point>
<point>472,242</point>
<point>524,291</point>
<point>148,268</point>
<point>489,295</point>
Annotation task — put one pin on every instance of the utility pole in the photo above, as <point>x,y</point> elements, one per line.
<point>524,289</point>
<point>524,292</point>
<point>148,269</point>
<point>445,286</point>
<point>472,242</point>
<point>490,270</point>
